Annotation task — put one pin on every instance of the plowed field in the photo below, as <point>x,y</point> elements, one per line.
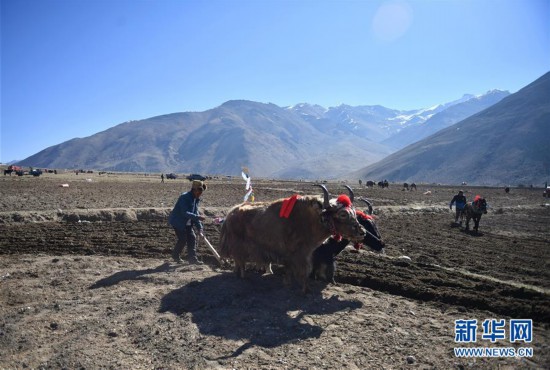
<point>86,281</point>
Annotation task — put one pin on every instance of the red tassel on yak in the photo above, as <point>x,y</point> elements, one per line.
<point>287,206</point>
<point>363,215</point>
<point>344,200</point>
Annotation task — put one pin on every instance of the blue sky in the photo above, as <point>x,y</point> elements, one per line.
<point>72,68</point>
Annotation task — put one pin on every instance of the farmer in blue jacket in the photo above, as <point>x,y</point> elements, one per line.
<point>184,216</point>
<point>460,201</point>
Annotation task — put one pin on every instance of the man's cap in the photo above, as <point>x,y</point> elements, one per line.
<point>197,184</point>
<point>460,192</point>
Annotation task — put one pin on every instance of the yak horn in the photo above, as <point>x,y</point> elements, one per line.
<point>326,204</point>
<point>369,204</point>
<point>351,196</point>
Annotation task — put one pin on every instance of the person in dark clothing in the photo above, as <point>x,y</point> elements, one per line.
<point>460,201</point>
<point>161,177</point>
<point>183,217</point>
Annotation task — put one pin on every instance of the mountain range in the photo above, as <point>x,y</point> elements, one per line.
<point>304,141</point>
<point>505,144</point>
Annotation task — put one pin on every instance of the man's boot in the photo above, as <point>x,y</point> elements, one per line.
<point>195,261</point>
<point>192,257</point>
<point>177,251</point>
<point>192,247</point>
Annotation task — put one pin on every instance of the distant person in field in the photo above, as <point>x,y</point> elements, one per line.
<point>161,177</point>
<point>460,202</point>
<point>184,216</point>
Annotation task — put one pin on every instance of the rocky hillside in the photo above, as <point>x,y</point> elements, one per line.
<point>302,141</point>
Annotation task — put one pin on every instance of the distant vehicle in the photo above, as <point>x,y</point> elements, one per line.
<point>11,169</point>
<point>37,172</point>
<point>172,176</point>
<point>546,192</point>
<point>195,176</point>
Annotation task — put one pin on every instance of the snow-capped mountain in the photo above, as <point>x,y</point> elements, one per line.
<point>381,124</point>
<point>504,144</point>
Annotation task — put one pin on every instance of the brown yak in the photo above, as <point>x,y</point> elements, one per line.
<point>474,211</point>
<point>264,233</point>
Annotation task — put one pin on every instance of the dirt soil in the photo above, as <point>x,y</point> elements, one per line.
<point>86,281</point>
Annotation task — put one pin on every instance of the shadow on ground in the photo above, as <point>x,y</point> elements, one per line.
<point>131,275</point>
<point>257,310</point>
